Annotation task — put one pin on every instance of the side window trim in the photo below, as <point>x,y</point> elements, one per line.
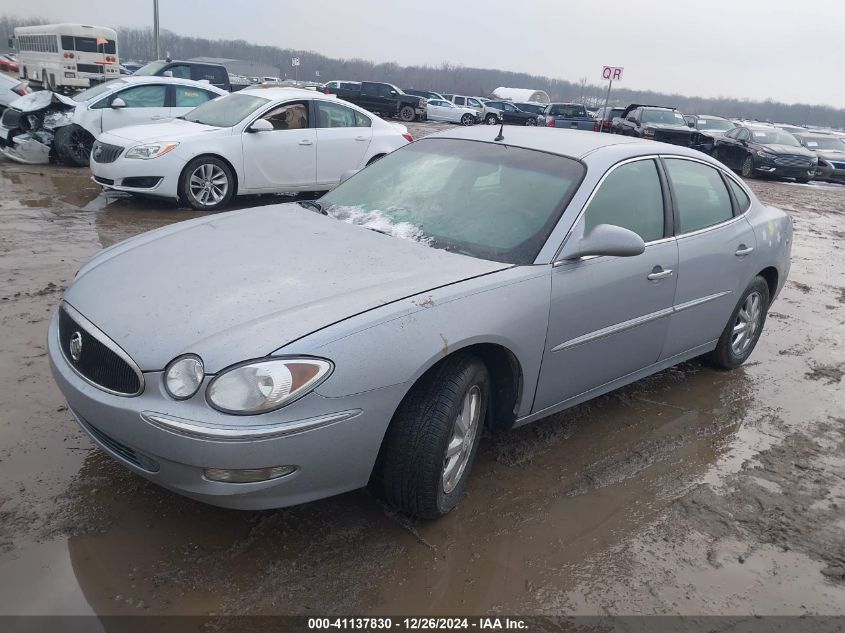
<point>734,217</point>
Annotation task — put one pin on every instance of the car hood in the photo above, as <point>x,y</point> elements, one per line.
<point>240,285</point>
<point>786,149</point>
<point>175,130</point>
<point>39,100</point>
<point>669,126</point>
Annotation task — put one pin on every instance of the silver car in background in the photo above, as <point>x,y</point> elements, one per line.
<point>271,356</point>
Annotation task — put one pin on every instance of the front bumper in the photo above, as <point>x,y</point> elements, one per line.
<point>126,175</point>
<point>780,171</point>
<point>332,442</point>
<point>830,172</point>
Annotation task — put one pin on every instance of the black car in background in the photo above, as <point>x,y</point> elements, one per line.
<point>511,114</point>
<point>709,128</point>
<point>830,150</point>
<point>758,150</point>
<point>380,98</point>
<point>215,74</point>
<point>653,122</point>
<point>605,116</point>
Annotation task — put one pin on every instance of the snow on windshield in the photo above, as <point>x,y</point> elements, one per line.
<point>378,221</point>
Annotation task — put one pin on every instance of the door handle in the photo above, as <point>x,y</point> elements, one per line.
<point>360,138</point>
<point>158,117</point>
<point>305,141</point>
<point>744,250</point>
<point>658,273</point>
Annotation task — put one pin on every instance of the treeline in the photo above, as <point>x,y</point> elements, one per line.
<point>448,78</point>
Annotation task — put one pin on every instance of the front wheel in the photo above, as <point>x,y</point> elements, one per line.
<point>803,180</point>
<point>747,169</point>
<point>407,114</point>
<point>744,328</point>
<point>429,449</point>
<point>73,145</point>
<point>467,119</point>
<point>207,184</point>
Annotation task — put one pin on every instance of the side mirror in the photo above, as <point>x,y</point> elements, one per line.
<point>347,175</point>
<point>261,125</point>
<point>603,240</point>
<point>167,73</point>
<point>118,103</point>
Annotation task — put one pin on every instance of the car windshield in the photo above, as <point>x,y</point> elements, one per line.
<point>663,116</point>
<point>714,124</point>
<point>482,199</point>
<point>225,111</point>
<point>825,142</point>
<point>96,91</point>
<point>774,136</point>
<point>150,69</point>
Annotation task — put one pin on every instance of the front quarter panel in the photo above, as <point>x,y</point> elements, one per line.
<point>397,343</point>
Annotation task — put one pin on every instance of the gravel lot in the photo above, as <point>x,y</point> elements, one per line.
<point>691,492</point>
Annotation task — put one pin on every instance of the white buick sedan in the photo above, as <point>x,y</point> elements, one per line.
<point>259,140</point>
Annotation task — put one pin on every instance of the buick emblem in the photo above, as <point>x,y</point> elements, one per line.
<point>75,346</point>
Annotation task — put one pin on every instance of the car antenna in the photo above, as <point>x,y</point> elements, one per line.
<point>501,136</point>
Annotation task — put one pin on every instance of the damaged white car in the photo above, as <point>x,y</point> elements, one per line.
<point>44,126</point>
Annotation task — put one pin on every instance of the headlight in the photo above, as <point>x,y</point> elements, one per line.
<point>764,154</point>
<point>264,385</point>
<point>648,132</point>
<point>183,376</point>
<point>150,150</point>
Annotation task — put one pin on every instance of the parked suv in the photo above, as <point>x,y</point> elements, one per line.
<point>654,122</point>
<point>215,74</point>
<point>604,118</point>
<point>507,111</point>
<point>381,98</point>
<point>463,101</point>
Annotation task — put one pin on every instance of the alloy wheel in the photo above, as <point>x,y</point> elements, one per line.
<point>747,324</point>
<point>462,439</point>
<point>208,184</point>
<point>80,145</point>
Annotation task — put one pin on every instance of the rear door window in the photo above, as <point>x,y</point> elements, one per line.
<point>630,197</point>
<point>144,96</point>
<point>701,199</point>
<point>460,101</point>
<point>742,200</point>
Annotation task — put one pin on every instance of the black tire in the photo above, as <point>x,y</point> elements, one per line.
<point>531,122</point>
<point>491,119</point>
<point>747,168</point>
<point>407,114</point>
<point>803,180</point>
<point>73,145</point>
<point>192,192</point>
<point>410,469</point>
<point>467,120</point>
<point>725,355</point>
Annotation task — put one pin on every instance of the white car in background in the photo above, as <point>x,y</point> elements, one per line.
<point>442,110</point>
<point>254,141</point>
<point>41,120</point>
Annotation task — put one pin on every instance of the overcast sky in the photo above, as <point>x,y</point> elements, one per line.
<point>758,49</point>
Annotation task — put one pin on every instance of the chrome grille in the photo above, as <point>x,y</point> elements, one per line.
<point>105,153</point>
<point>793,161</point>
<point>98,360</point>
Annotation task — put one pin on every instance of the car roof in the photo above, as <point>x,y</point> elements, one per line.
<point>572,143</point>
<point>285,92</point>
<point>150,79</point>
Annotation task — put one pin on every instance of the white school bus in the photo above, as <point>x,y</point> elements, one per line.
<point>63,56</point>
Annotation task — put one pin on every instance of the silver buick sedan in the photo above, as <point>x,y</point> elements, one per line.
<point>272,356</point>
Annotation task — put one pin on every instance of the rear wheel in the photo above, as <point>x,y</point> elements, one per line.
<point>531,122</point>
<point>73,145</point>
<point>491,119</point>
<point>207,184</point>
<point>432,441</point>
<point>748,167</point>
<point>744,327</point>
<point>407,114</point>
<point>466,119</point>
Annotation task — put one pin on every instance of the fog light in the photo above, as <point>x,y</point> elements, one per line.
<point>248,475</point>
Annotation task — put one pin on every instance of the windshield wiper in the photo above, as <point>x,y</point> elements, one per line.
<point>370,228</point>
<point>311,204</point>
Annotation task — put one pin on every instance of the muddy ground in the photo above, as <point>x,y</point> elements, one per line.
<point>691,492</point>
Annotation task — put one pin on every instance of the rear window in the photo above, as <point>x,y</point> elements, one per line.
<point>567,111</point>
<point>701,198</point>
